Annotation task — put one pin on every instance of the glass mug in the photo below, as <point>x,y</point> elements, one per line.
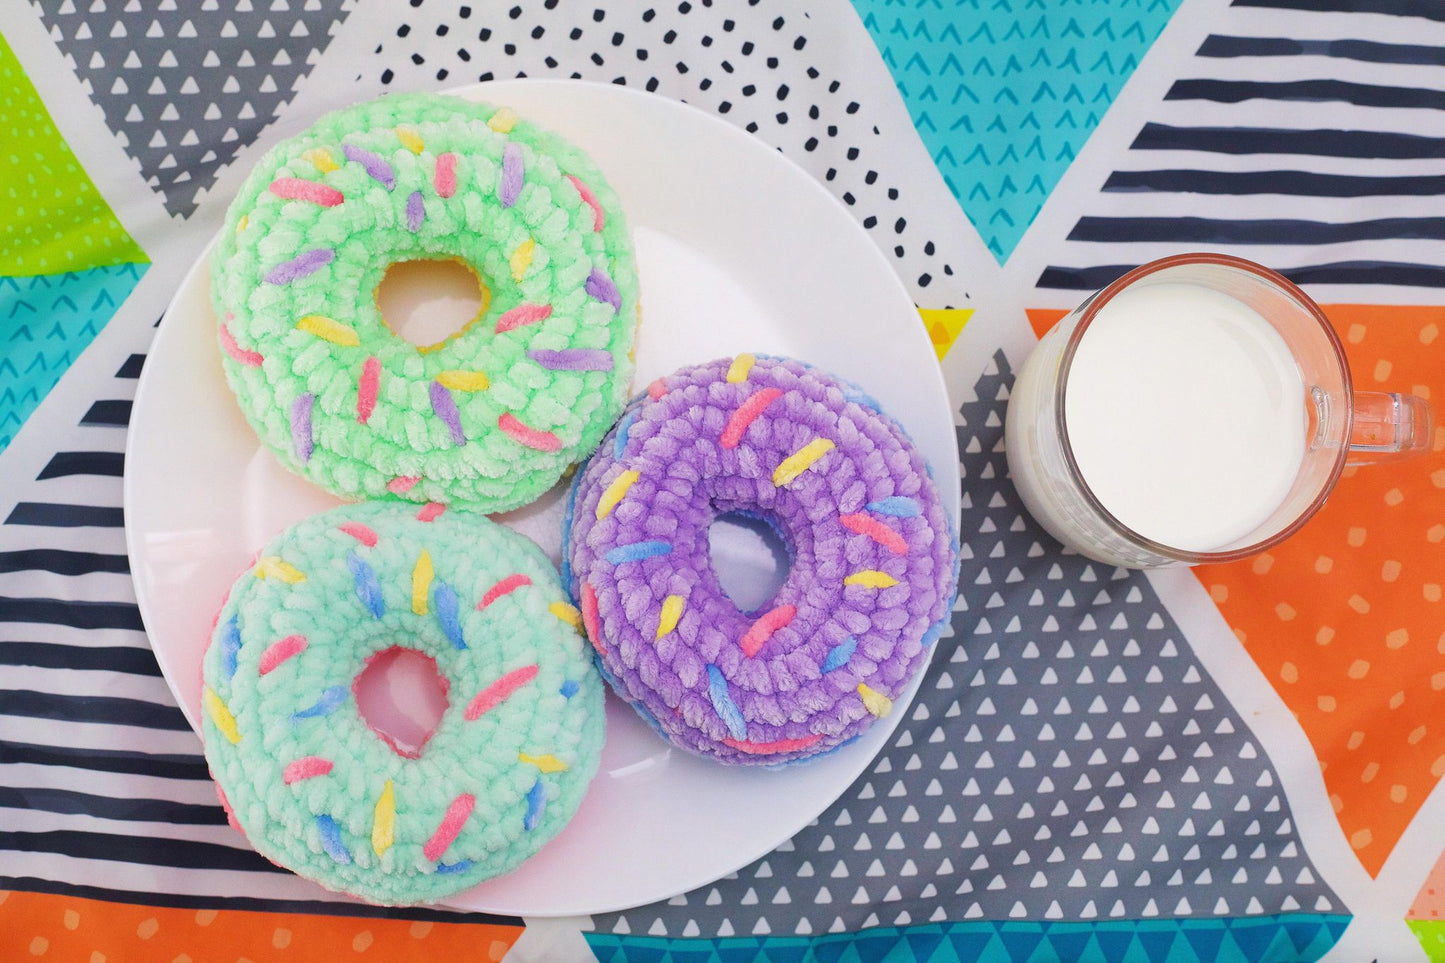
<point>1199,409</point>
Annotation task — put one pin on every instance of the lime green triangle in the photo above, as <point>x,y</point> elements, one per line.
<point>52,219</point>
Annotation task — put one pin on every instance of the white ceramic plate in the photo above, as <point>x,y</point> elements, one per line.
<point>739,250</point>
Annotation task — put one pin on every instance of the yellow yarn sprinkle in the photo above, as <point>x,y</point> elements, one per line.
<point>464,380</point>
<point>409,139</point>
<point>614,493</point>
<point>421,581</point>
<point>547,763</point>
<point>871,578</point>
<point>383,826</point>
<point>875,702</point>
<point>800,461</point>
<point>738,370</point>
<point>321,159</point>
<point>220,715</point>
<point>503,120</point>
<point>521,258</point>
<point>241,224</point>
<point>671,612</point>
<point>272,567</point>
<point>567,613</point>
<point>329,330</point>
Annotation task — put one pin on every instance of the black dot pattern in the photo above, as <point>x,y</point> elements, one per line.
<point>765,67</point>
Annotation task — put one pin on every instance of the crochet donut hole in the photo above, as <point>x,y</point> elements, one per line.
<point>490,414</point>
<point>869,585</point>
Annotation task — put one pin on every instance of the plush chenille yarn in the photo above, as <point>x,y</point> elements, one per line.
<point>873,561</point>
<point>494,415</point>
<point>303,775</point>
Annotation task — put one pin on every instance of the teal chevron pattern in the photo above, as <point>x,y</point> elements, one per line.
<point>46,321</point>
<point>1289,938</point>
<point>1004,93</point>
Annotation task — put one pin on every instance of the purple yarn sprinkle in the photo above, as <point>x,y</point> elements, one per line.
<point>446,409</point>
<point>379,169</point>
<point>510,184</point>
<point>415,212</point>
<point>301,441</point>
<point>600,286</point>
<point>307,263</point>
<point>573,359</point>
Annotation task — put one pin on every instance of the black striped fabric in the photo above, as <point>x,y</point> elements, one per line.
<point>1256,151</point>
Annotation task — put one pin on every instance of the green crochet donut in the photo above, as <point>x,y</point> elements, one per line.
<point>495,414</point>
<point>320,792</point>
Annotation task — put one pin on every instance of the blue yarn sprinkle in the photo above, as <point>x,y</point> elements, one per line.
<point>727,709</point>
<point>330,700</point>
<point>619,440</point>
<point>637,551</point>
<point>934,631</point>
<point>331,839</point>
<point>445,600</point>
<point>897,506</point>
<point>570,687</point>
<point>861,398</point>
<point>460,866</point>
<point>230,645</point>
<point>536,802</point>
<point>368,589</point>
<point>840,654</point>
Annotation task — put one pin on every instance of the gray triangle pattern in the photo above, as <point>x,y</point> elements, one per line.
<point>187,86</point>
<point>1066,759</point>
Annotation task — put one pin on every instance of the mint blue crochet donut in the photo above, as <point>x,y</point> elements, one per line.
<point>314,787</point>
<point>495,414</point>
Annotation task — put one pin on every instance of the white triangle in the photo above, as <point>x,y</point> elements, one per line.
<point>823,896</point>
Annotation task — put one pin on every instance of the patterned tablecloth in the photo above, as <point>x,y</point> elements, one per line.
<point>1233,763</point>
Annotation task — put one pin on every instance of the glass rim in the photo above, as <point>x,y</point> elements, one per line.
<point>1090,309</point>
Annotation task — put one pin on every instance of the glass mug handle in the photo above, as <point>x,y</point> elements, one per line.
<point>1388,426</point>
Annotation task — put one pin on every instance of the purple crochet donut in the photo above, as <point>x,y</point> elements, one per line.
<point>872,576</point>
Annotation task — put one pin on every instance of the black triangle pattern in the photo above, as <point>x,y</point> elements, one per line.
<point>183,88</point>
<point>1066,759</point>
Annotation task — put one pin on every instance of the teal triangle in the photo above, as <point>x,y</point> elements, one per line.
<point>1156,944</point>
<point>923,943</point>
<point>1069,943</point>
<point>1258,939</point>
<point>34,366</point>
<point>1097,44</point>
<point>1204,936</point>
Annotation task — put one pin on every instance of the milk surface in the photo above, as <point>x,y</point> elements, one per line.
<point>1186,414</point>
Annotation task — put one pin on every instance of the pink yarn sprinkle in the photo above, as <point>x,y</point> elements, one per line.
<point>657,389</point>
<point>876,530</point>
<point>589,617</point>
<point>450,828</point>
<point>509,584</point>
<point>590,199</point>
<point>767,748</point>
<point>446,175</point>
<point>526,435</point>
<point>296,189</point>
<point>493,695</point>
<point>366,388</point>
<point>757,636</point>
<point>430,511</point>
<point>278,652</point>
<point>250,359</point>
<point>523,314</point>
<point>360,532</point>
<point>305,768</point>
<point>402,484</point>
<point>746,414</point>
